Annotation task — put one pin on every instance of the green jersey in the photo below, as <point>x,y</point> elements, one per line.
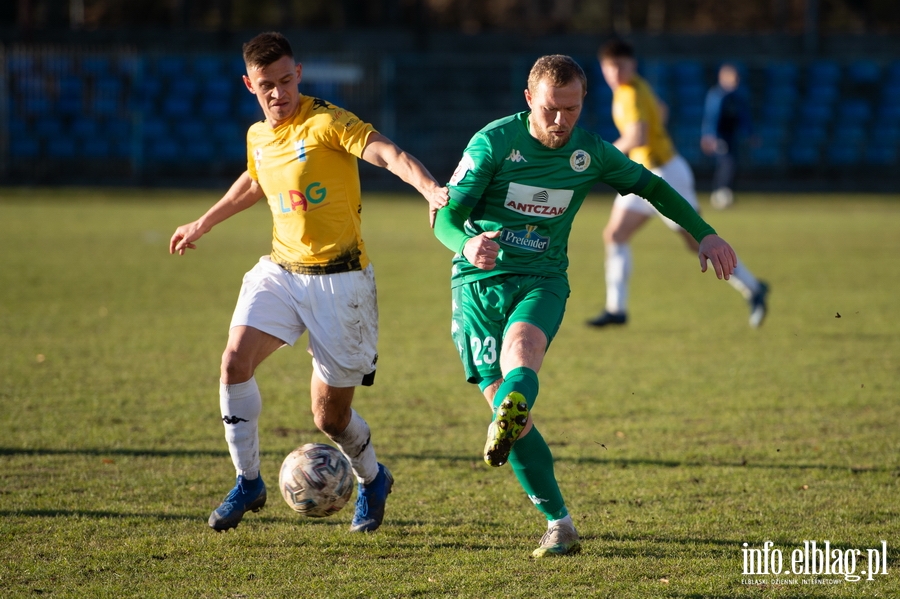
<point>530,193</point>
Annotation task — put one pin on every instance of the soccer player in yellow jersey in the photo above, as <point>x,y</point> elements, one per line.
<point>302,158</point>
<point>640,118</point>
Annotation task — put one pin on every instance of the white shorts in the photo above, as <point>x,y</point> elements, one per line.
<point>340,311</point>
<point>677,173</point>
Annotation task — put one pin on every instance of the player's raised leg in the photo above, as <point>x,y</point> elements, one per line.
<point>240,404</point>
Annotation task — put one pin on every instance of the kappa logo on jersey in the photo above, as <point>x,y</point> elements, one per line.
<point>300,200</point>
<point>536,201</point>
<point>526,239</point>
<point>465,165</point>
<point>300,150</point>
<point>516,156</point>
<point>579,161</point>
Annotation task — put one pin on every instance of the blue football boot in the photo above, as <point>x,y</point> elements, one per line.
<point>370,500</point>
<point>247,495</point>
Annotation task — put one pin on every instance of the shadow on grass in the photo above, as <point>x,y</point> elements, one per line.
<point>614,462</point>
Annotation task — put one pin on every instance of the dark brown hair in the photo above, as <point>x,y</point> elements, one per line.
<point>266,48</point>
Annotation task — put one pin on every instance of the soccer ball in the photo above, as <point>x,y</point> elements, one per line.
<point>316,480</point>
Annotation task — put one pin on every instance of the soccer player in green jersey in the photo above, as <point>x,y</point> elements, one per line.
<point>513,196</point>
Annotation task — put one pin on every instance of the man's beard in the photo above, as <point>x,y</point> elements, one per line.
<point>552,141</point>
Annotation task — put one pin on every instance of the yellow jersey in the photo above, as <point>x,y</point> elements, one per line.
<point>635,102</point>
<point>307,168</point>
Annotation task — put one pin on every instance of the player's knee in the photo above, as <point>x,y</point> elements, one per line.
<point>235,369</point>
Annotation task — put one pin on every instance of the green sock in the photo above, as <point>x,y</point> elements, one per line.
<point>522,379</point>
<point>532,463</point>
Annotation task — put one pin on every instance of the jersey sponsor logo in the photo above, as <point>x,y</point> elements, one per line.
<point>516,156</point>
<point>525,239</point>
<point>464,166</point>
<point>579,161</point>
<point>300,150</point>
<point>537,201</point>
<point>300,200</point>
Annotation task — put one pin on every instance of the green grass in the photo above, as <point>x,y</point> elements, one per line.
<point>677,438</point>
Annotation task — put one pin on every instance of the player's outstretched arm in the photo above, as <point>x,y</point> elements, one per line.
<point>244,192</point>
<point>716,250</point>
<point>382,152</point>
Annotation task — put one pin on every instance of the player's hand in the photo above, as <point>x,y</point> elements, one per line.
<point>481,251</point>
<point>716,250</point>
<point>437,199</point>
<point>184,238</point>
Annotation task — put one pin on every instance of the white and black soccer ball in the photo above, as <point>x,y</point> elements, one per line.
<point>316,480</point>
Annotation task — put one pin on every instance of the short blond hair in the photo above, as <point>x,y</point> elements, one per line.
<point>558,69</point>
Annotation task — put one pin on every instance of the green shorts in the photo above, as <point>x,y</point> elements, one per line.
<point>484,309</point>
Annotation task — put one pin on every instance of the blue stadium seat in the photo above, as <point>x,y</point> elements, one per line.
<point>823,71</point>
<point>822,93</point>
<point>35,106</point>
<point>888,114</point>
<point>767,155</point>
<point>224,88</point>
<point>163,149</point>
<point>96,148</point>
<point>117,128</point>
<point>885,135</point>
<point>155,128</point>
<point>96,65</point>
<point>854,112</point>
<point>84,127</point>
<point>688,72</point>
<point>782,94</point>
<point>781,74</point>
<point>20,64</point>
<point>215,107</point>
<point>70,105</point>
<point>654,71</point>
<point>226,132</point>
<point>810,134</point>
<point>24,147</point>
<point>208,65</point>
<point>170,65</point>
<point>777,112</point>
<point>863,71</point>
<point>48,127</point>
<point>186,88</point>
<point>192,130</point>
<point>199,150</point>
<point>843,155</point>
<point>58,64</point>
<point>892,73</point>
<point>772,133</point>
<point>881,155</point>
<point>849,134</point>
<point>815,113</point>
<point>803,154</point>
<point>176,106</point>
<point>61,147</point>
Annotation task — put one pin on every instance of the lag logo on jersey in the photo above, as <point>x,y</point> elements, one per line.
<point>525,239</point>
<point>300,200</point>
<point>537,201</point>
<point>300,150</point>
<point>579,161</point>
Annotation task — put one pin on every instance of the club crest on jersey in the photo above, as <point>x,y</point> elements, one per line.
<point>516,156</point>
<point>537,201</point>
<point>579,161</point>
<point>300,150</point>
<point>525,239</point>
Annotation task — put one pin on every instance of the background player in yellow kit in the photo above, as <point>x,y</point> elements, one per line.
<point>640,119</point>
<point>303,159</point>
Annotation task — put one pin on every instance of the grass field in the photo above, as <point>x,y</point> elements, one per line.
<point>677,438</point>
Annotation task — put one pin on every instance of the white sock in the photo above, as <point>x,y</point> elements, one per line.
<point>618,271</point>
<point>355,442</point>
<point>240,405</point>
<point>565,522</point>
<point>743,280</point>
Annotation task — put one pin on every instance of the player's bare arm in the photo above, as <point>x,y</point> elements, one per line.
<point>632,136</point>
<point>482,250</point>
<point>384,153</point>
<point>244,192</point>
<point>716,250</point>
